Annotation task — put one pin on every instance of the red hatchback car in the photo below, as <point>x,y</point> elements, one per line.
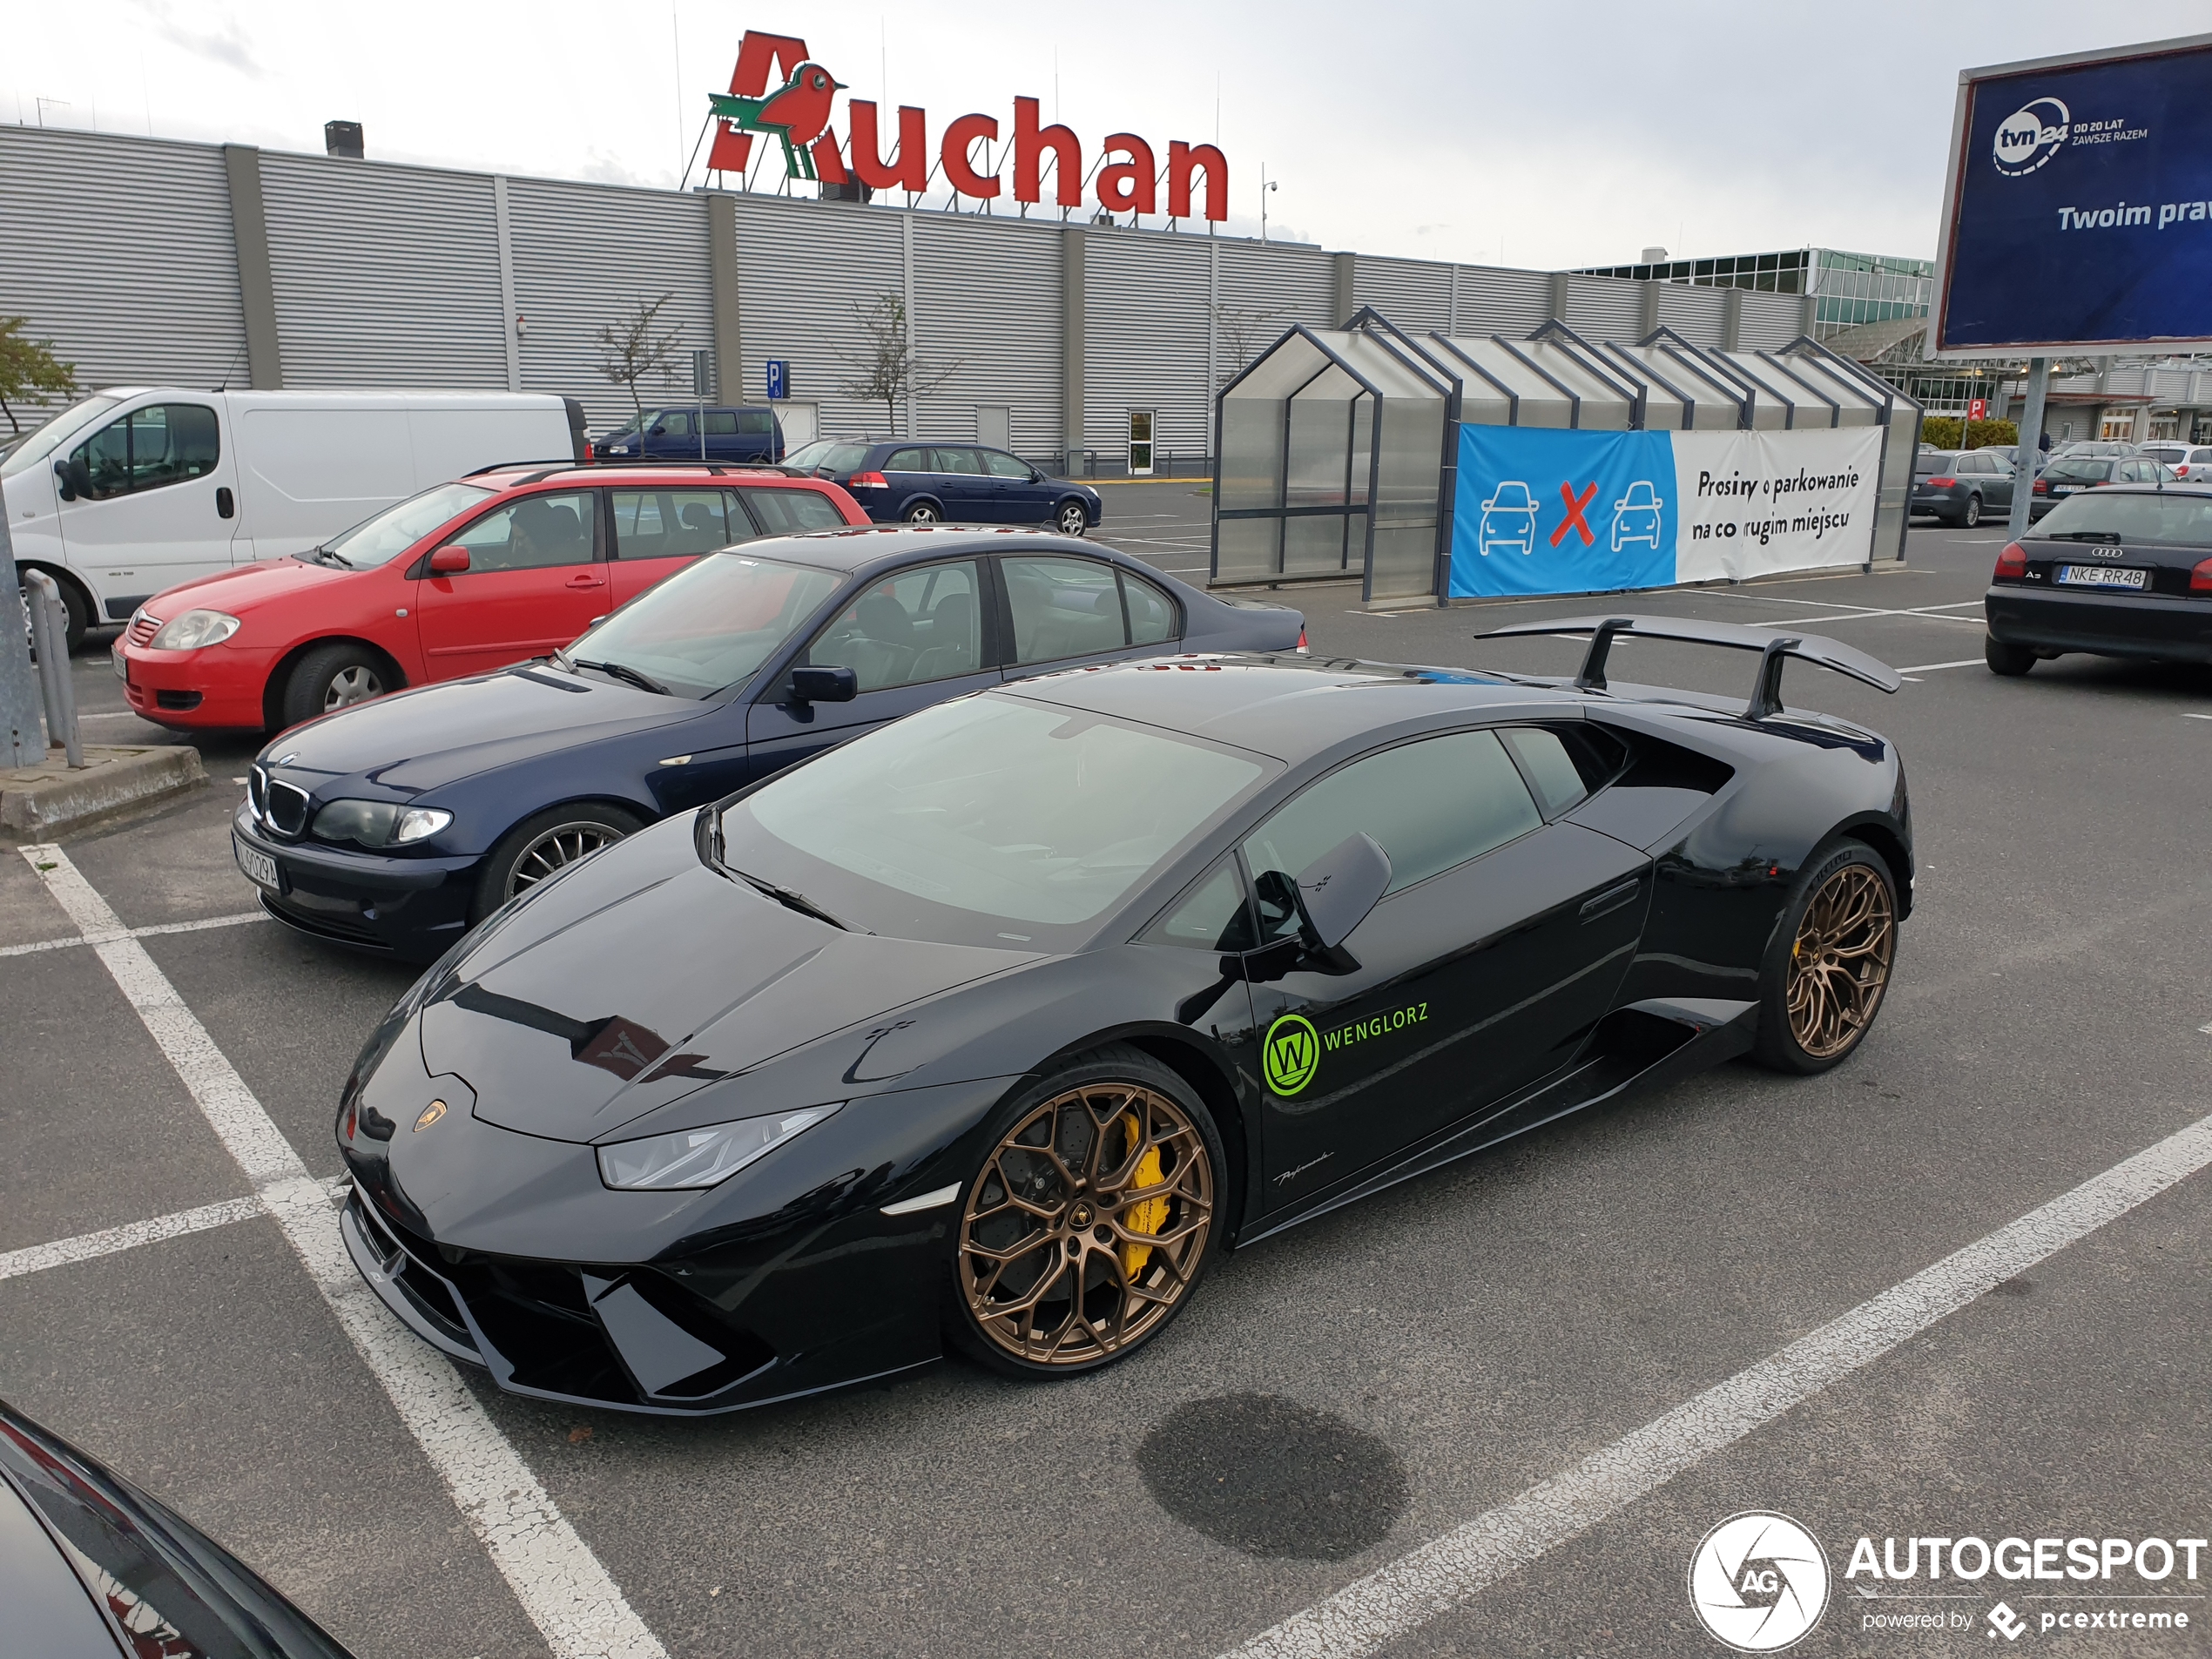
<point>465,578</point>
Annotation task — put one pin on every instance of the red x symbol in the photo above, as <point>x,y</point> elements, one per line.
<point>1573,520</point>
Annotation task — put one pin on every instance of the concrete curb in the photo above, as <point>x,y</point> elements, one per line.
<point>43,801</point>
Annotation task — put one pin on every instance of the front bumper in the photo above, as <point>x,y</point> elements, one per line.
<point>412,907</point>
<point>2106,625</point>
<point>216,688</point>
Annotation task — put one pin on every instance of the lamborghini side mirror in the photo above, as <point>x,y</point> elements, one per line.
<point>1337,890</point>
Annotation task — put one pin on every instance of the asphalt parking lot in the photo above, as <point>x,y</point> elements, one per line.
<point>1334,1400</point>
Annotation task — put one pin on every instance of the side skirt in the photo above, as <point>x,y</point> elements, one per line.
<point>1645,1046</point>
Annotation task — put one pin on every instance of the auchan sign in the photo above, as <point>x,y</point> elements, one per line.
<point>779,92</point>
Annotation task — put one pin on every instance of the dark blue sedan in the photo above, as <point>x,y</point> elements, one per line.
<point>397,824</point>
<point>911,482</point>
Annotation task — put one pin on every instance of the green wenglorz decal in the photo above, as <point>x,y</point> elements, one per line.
<point>1292,1051</point>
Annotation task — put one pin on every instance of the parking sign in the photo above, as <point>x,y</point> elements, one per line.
<point>779,379</point>
<point>1978,408</point>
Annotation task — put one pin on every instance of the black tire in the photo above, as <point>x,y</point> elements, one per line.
<point>1971,517</point>
<point>924,512</point>
<point>1112,1086</point>
<point>544,843</point>
<point>1830,962</point>
<point>2006,658</point>
<point>1072,518</point>
<point>334,677</point>
<point>76,607</point>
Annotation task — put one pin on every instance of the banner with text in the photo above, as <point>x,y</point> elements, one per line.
<point>1540,511</point>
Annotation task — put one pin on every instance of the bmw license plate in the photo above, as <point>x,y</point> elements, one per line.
<point>2101,575</point>
<point>260,869</point>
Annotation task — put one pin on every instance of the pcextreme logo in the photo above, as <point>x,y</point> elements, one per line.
<point>796,111</point>
<point>1758,1581</point>
<point>1291,1053</point>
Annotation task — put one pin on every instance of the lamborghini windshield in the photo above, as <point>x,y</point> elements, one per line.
<point>988,820</point>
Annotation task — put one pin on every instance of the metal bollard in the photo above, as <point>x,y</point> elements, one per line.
<point>50,628</point>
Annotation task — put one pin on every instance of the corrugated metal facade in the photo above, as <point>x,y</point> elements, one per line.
<point>384,275</point>
<point>391,276</point>
<point>119,250</point>
<point>584,254</point>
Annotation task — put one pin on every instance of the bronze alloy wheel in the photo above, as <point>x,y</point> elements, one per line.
<point>1839,962</point>
<point>556,848</point>
<point>1087,1224</point>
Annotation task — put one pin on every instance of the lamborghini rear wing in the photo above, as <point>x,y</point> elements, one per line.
<point>1772,646</point>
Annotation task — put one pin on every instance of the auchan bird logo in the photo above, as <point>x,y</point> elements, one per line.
<point>798,112</point>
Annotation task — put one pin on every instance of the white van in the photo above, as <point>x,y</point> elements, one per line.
<point>137,489</point>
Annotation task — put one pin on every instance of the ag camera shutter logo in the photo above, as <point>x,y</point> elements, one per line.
<point>2030,136</point>
<point>1758,1583</point>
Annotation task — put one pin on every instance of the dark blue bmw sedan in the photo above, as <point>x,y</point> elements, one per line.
<point>397,824</point>
<point>910,482</point>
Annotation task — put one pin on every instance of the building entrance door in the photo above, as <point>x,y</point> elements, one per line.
<point>1140,443</point>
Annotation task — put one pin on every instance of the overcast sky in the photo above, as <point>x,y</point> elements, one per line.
<point>1541,136</point>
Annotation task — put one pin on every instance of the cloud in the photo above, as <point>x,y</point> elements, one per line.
<point>225,45</point>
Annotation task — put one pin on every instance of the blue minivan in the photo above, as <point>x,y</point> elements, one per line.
<point>904,481</point>
<point>690,433</point>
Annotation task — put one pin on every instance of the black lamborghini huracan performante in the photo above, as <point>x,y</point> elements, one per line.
<point>993,1025</point>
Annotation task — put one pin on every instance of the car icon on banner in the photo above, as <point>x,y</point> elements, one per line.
<point>1636,517</point>
<point>1509,520</point>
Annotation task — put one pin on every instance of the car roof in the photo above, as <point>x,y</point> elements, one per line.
<point>521,473</point>
<point>858,547</point>
<point>1290,707</point>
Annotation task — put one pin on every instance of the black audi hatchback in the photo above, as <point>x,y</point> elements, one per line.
<point>2122,572</point>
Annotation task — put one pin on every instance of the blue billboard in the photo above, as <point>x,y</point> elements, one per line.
<point>2081,205</point>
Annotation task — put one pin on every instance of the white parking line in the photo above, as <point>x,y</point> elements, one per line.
<point>1930,668</point>
<point>2196,717</point>
<point>1394,1601</point>
<point>85,1247</point>
<point>139,933</point>
<point>562,1585</point>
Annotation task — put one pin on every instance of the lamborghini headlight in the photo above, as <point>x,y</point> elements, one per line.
<point>701,1157</point>
<point>193,630</point>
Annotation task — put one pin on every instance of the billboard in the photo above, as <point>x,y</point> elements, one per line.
<point>1540,511</point>
<point>2078,212</point>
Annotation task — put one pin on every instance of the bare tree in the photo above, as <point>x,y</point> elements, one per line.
<point>634,348</point>
<point>1242,332</point>
<point>885,368</point>
<point>29,370</point>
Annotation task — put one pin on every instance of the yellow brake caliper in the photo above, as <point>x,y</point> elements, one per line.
<point>1146,1217</point>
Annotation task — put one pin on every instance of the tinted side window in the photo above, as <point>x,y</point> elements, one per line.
<point>165,443</point>
<point>758,423</point>
<point>532,534</point>
<point>1062,608</point>
<point>721,423</point>
<point>1151,613</point>
<point>1211,916</point>
<point>674,524</point>
<point>962,460</point>
<point>793,512</point>
<point>1430,804</point>
<point>676,423</point>
<point>908,460</point>
<point>1550,770</point>
<point>921,626</point>
<point>1005,466</point>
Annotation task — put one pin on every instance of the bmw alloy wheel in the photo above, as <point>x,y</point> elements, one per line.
<point>1839,962</point>
<point>357,683</point>
<point>1087,1225</point>
<point>556,849</point>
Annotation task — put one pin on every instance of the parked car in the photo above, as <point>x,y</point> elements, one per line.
<point>94,1568</point>
<point>2104,448</point>
<point>1508,520</point>
<point>467,576</point>
<point>2010,454</point>
<point>2071,475</point>
<point>957,482</point>
<point>1959,486</point>
<point>135,489</point>
<point>2183,458</point>
<point>688,432</point>
<point>398,825</point>
<point>2124,571</point>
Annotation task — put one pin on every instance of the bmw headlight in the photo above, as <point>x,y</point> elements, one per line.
<point>701,1157</point>
<point>195,629</point>
<point>378,823</point>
